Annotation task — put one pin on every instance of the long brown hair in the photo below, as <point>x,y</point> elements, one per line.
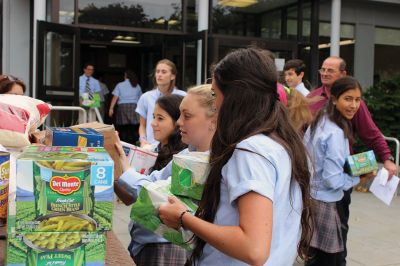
<point>339,87</point>
<point>247,78</point>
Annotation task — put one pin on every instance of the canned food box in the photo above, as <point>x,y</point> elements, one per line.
<point>71,182</point>
<point>78,137</point>
<point>140,159</point>
<point>56,248</point>
<point>4,177</point>
<point>361,163</point>
<point>189,173</point>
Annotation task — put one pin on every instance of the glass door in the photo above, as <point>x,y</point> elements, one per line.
<point>195,50</point>
<point>58,63</point>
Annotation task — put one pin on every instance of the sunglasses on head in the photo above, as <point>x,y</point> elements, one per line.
<point>8,77</point>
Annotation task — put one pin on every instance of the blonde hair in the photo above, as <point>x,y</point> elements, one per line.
<point>299,112</point>
<point>206,98</point>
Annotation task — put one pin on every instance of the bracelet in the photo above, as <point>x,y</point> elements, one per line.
<point>181,218</point>
<point>142,138</point>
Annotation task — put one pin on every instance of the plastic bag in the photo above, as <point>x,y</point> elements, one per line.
<point>19,117</point>
<point>145,212</point>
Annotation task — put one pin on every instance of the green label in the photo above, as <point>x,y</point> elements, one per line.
<point>55,258</point>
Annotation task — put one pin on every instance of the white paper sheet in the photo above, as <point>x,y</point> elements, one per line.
<point>384,190</point>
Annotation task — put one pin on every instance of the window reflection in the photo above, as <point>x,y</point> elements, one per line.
<point>155,14</point>
<point>259,18</point>
<point>61,11</point>
<point>387,45</point>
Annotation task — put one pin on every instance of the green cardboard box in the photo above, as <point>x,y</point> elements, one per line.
<point>56,248</point>
<point>189,173</point>
<point>63,189</point>
<point>361,163</point>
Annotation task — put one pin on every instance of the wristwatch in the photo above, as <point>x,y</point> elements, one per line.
<point>391,158</point>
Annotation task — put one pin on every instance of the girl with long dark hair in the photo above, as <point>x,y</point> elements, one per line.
<point>166,130</point>
<point>255,207</point>
<point>327,140</point>
<point>126,94</point>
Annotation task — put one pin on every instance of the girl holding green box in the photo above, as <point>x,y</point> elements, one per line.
<point>327,140</point>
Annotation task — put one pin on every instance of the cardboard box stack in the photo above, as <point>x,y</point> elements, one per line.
<point>79,137</point>
<point>62,206</point>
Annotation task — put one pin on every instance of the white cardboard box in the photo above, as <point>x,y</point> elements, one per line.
<point>140,159</point>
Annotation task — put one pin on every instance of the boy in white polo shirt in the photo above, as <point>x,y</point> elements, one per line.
<point>294,74</point>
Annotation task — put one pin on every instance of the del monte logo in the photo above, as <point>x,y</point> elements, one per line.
<point>65,185</point>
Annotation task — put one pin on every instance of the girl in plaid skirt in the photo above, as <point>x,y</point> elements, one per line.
<point>327,140</point>
<point>126,94</point>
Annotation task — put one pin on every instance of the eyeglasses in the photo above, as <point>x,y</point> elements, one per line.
<point>8,77</point>
<point>329,71</point>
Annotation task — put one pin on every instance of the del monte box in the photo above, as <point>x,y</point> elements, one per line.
<point>56,248</point>
<point>63,189</point>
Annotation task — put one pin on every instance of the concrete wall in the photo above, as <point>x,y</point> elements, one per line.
<point>365,15</point>
<point>16,39</point>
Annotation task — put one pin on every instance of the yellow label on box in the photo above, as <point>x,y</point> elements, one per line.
<point>5,171</point>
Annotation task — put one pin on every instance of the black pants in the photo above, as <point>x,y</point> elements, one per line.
<point>128,133</point>
<point>321,258</point>
<point>343,208</point>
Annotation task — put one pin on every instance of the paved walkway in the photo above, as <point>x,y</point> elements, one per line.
<point>374,237</point>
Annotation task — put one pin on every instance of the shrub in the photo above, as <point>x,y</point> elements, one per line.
<point>383,101</point>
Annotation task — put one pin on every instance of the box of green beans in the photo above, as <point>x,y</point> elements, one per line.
<point>63,189</point>
<point>56,248</point>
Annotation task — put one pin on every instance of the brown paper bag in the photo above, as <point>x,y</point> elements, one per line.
<point>110,139</point>
<point>38,137</point>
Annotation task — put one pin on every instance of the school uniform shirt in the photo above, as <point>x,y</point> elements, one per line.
<point>328,149</point>
<point>302,89</point>
<point>362,123</point>
<point>133,181</point>
<point>93,83</point>
<point>265,170</point>
<point>126,93</point>
<point>145,108</point>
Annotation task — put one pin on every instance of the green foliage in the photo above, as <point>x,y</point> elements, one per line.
<point>383,101</point>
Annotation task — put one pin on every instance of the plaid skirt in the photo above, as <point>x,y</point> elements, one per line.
<point>126,114</point>
<point>327,234</point>
<point>161,254</point>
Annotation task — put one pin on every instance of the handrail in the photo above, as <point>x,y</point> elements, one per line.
<point>82,112</point>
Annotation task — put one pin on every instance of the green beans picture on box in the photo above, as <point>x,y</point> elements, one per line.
<point>54,248</point>
<point>56,182</point>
